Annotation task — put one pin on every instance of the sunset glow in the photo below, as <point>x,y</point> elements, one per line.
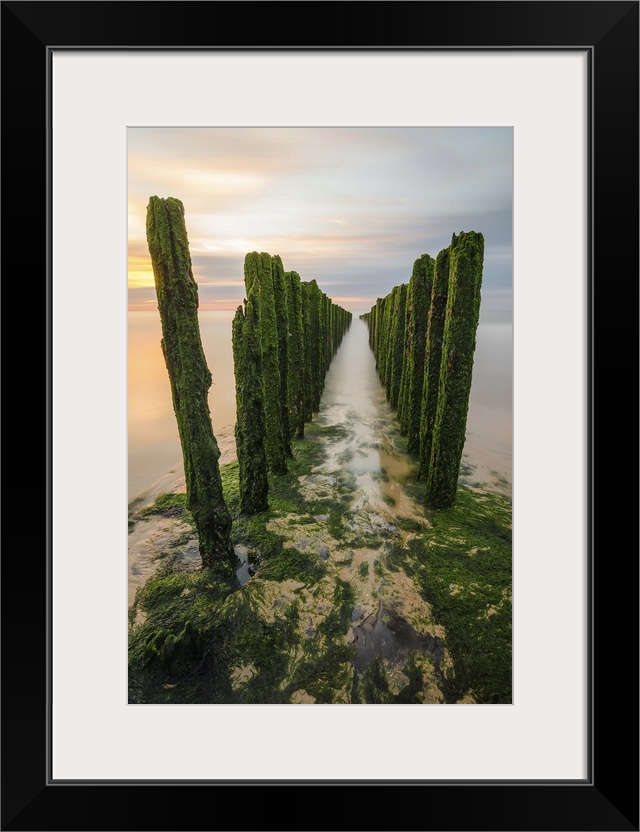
<point>350,207</point>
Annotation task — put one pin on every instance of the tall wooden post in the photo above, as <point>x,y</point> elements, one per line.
<point>282,324</point>
<point>259,281</point>
<point>458,347</point>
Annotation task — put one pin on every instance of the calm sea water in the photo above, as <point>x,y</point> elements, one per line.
<point>155,458</point>
<point>155,463</point>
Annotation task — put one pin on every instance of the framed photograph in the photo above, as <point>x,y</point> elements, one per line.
<point>557,84</point>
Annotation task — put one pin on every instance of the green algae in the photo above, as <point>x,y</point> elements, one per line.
<point>397,356</point>
<point>464,565</point>
<point>458,347</point>
<point>250,424</point>
<point>423,339</point>
<point>314,343</point>
<point>433,361</point>
<point>418,303</point>
<point>260,643</point>
<point>280,300</point>
<point>245,650</point>
<point>363,569</point>
<point>190,379</point>
<point>168,650</point>
<point>169,505</point>
<point>296,356</point>
<point>294,565</point>
<point>258,278</point>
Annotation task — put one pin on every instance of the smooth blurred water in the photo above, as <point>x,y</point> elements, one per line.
<point>352,392</point>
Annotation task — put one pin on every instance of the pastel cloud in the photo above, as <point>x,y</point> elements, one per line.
<point>350,207</point>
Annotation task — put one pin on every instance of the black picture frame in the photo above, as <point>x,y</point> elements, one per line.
<point>608,798</point>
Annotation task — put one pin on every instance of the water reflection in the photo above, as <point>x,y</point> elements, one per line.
<point>353,399</point>
<point>155,457</point>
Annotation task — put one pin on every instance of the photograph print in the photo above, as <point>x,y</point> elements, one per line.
<point>320,376</point>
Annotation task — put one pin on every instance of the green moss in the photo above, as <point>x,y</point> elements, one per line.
<point>463,565</point>
<point>335,524</point>
<point>359,541</point>
<point>263,646</point>
<point>423,339</point>
<point>313,345</point>
<point>326,670</point>
<point>230,475</point>
<point>280,292</point>
<point>189,378</point>
<point>397,353</point>
<point>363,569</point>
<point>170,652</point>
<point>418,303</point>
<point>432,362</point>
<point>306,325</point>
<point>259,283</point>
<point>252,532</point>
<point>296,356</point>
<point>250,422</point>
<point>201,643</point>
<point>410,693</point>
<point>373,684</point>
<point>169,505</point>
<point>290,564</point>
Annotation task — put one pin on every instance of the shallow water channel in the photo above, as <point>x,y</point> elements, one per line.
<point>365,455</point>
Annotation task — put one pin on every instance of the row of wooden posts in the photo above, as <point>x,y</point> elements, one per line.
<point>423,336</point>
<point>284,337</point>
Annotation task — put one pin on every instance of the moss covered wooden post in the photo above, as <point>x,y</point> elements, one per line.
<point>397,345</point>
<point>433,359</point>
<point>322,344</point>
<point>466,255</point>
<point>305,292</point>
<point>315,346</point>
<point>373,326</point>
<point>259,281</point>
<point>249,431</point>
<point>404,377</point>
<point>380,336</point>
<point>418,302</point>
<point>295,355</point>
<point>388,346</point>
<point>190,380</point>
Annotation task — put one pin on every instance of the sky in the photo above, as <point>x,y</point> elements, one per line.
<point>351,207</point>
